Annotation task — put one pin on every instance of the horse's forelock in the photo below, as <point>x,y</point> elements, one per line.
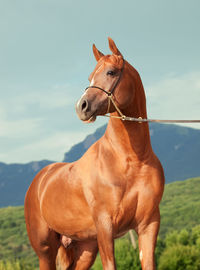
<point>116,60</point>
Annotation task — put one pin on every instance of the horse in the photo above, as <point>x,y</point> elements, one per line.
<point>77,209</point>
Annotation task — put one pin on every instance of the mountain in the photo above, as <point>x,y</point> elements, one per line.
<point>79,149</point>
<point>177,147</point>
<point>180,206</point>
<point>15,180</point>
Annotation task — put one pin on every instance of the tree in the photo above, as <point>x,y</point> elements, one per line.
<point>126,256</point>
<point>182,251</point>
<point>180,257</point>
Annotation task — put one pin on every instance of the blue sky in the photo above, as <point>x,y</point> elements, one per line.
<point>46,57</point>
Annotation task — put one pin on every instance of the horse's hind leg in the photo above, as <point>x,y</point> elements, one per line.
<point>47,252</point>
<point>84,255</point>
<point>45,242</point>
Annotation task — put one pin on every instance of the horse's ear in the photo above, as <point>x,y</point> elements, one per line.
<point>97,53</point>
<point>113,47</point>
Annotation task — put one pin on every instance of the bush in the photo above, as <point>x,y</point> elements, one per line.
<point>182,251</point>
<point>180,257</point>
<point>126,256</point>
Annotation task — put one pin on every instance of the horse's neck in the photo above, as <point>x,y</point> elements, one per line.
<point>131,138</point>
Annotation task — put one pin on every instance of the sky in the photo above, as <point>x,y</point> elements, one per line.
<point>46,58</point>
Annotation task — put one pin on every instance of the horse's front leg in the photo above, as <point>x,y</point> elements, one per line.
<point>147,241</point>
<point>105,240</point>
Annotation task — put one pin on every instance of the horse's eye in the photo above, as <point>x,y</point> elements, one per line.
<point>111,72</point>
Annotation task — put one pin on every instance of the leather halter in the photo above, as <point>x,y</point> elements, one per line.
<point>109,93</point>
<point>127,118</point>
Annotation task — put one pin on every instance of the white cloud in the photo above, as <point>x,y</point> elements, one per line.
<point>30,137</point>
<point>2,113</point>
<point>19,129</point>
<point>24,112</point>
<point>19,99</point>
<point>175,97</point>
<point>51,147</point>
<point>40,124</point>
<point>57,96</point>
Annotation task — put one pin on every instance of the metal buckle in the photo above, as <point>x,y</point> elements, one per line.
<point>140,118</point>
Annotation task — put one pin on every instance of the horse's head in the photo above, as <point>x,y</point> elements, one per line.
<point>111,75</point>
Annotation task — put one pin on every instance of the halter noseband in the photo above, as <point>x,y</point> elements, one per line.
<point>110,93</point>
<point>127,118</point>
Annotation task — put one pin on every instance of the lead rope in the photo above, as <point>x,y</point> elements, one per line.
<point>127,118</point>
<point>110,99</point>
<point>139,119</point>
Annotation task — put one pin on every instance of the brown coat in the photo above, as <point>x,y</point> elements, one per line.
<point>116,186</point>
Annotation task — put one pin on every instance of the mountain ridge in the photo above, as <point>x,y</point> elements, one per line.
<point>171,143</point>
<point>177,147</point>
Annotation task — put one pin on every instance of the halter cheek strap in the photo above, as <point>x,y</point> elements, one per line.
<point>110,93</point>
<point>114,86</point>
<point>127,118</point>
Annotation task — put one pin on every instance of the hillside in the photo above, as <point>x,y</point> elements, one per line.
<point>15,180</point>
<point>180,206</point>
<point>179,210</point>
<point>177,147</point>
<point>13,237</point>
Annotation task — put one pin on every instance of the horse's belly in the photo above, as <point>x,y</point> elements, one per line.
<point>66,211</point>
<point>74,222</point>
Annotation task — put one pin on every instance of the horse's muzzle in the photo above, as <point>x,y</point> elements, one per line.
<point>83,110</point>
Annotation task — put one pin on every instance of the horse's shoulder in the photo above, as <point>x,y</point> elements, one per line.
<point>43,177</point>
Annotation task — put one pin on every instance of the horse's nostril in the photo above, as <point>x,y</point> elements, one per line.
<point>84,105</point>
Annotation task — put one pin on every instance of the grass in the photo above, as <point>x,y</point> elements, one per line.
<point>180,208</point>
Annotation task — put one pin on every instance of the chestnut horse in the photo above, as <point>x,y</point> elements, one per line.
<point>81,207</point>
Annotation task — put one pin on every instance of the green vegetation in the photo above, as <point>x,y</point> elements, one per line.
<point>177,251</point>
<point>178,246</point>
<point>181,250</point>
<point>180,206</point>
<point>126,256</point>
<point>15,265</point>
<point>14,244</point>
